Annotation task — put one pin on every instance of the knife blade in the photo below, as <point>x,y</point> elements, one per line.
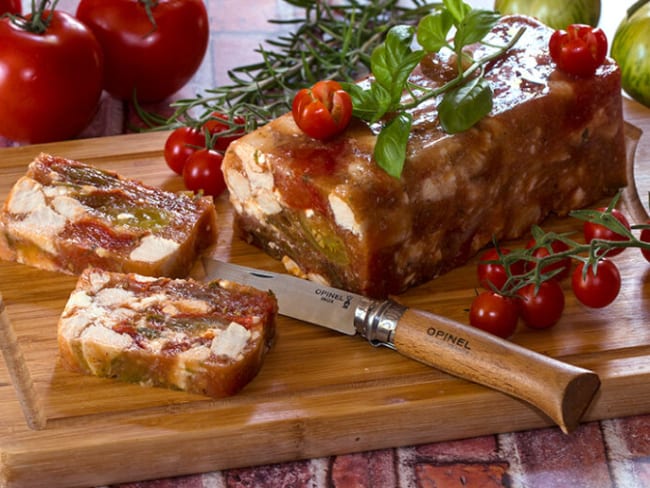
<point>560,390</point>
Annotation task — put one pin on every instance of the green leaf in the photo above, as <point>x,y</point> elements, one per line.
<point>393,61</point>
<point>464,106</point>
<point>369,104</point>
<point>386,58</point>
<point>433,30</point>
<point>474,27</point>
<point>390,149</point>
<point>458,9</point>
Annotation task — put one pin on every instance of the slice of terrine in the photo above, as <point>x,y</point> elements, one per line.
<point>552,143</point>
<point>205,338</point>
<point>64,215</point>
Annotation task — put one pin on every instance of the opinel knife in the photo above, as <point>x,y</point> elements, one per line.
<point>560,390</point>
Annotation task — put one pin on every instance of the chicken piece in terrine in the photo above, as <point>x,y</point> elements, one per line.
<point>552,143</point>
<point>205,338</point>
<point>64,215</point>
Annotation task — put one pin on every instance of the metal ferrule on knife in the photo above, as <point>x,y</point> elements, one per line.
<point>377,320</point>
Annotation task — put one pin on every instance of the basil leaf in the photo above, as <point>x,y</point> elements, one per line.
<point>393,61</point>
<point>385,58</point>
<point>390,148</point>
<point>474,27</point>
<point>464,106</point>
<point>458,9</point>
<point>433,30</point>
<point>364,104</point>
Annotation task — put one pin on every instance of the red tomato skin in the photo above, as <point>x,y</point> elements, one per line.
<point>202,172</point>
<point>322,111</point>
<point>156,62</point>
<point>494,313</point>
<point>51,83</point>
<point>180,145</point>
<point>645,237</point>
<point>599,290</point>
<point>593,231</point>
<point>10,6</point>
<point>579,49</point>
<point>214,127</point>
<point>493,275</point>
<point>543,309</point>
<point>563,264</point>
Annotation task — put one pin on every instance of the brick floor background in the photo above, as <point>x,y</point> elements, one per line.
<point>606,454</point>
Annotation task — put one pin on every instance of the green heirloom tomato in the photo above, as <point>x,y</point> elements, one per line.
<point>631,50</point>
<point>555,13</point>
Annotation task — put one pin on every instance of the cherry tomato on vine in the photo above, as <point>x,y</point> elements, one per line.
<point>541,308</point>
<point>150,62</point>
<point>180,145</point>
<point>10,6</point>
<point>494,275</point>
<point>322,111</point>
<point>215,127</point>
<point>202,172</point>
<point>563,264</point>
<point>578,50</point>
<point>494,313</point>
<point>593,231</point>
<point>50,82</point>
<point>597,289</point>
<point>645,237</point>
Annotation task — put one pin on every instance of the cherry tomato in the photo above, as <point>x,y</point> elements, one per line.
<point>150,62</point>
<point>597,289</point>
<point>563,264</point>
<point>579,50</point>
<point>596,231</point>
<point>10,6</point>
<point>180,144</point>
<point>202,171</point>
<point>645,237</point>
<point>50,83</point>
<point>322,111</point>
<point>215,127</point>
<point>494,275</point>
<point>541,309</point>
<point>494,313</point>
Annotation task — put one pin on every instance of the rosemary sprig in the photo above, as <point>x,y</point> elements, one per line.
<point>589,253</point>
<point>329,41</point>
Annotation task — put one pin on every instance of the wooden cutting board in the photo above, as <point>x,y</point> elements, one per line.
<point>318,393</point>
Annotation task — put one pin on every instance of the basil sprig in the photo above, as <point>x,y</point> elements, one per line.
<point>465,100</point>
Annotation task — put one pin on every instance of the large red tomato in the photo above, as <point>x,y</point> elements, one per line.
<point>150,62</point>
<point>11,6</point>
<point>50,82</point>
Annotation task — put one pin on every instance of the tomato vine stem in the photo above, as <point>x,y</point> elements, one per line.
<point>38,22</point>
<point>589,253</point>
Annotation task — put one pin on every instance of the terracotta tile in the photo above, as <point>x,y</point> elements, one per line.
<point>462,475</point>
<point>293,475</point>
<point>635,432</point>
<point>371,469</point>
<point>228,15</point>
<point>483,448</point>
<point>550,458</point>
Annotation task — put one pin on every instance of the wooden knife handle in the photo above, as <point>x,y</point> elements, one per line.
<point>560,390</point>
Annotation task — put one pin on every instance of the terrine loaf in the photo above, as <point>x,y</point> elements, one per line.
<point>205,338</point>
<point>64,215</point>
<point>552,143</point>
